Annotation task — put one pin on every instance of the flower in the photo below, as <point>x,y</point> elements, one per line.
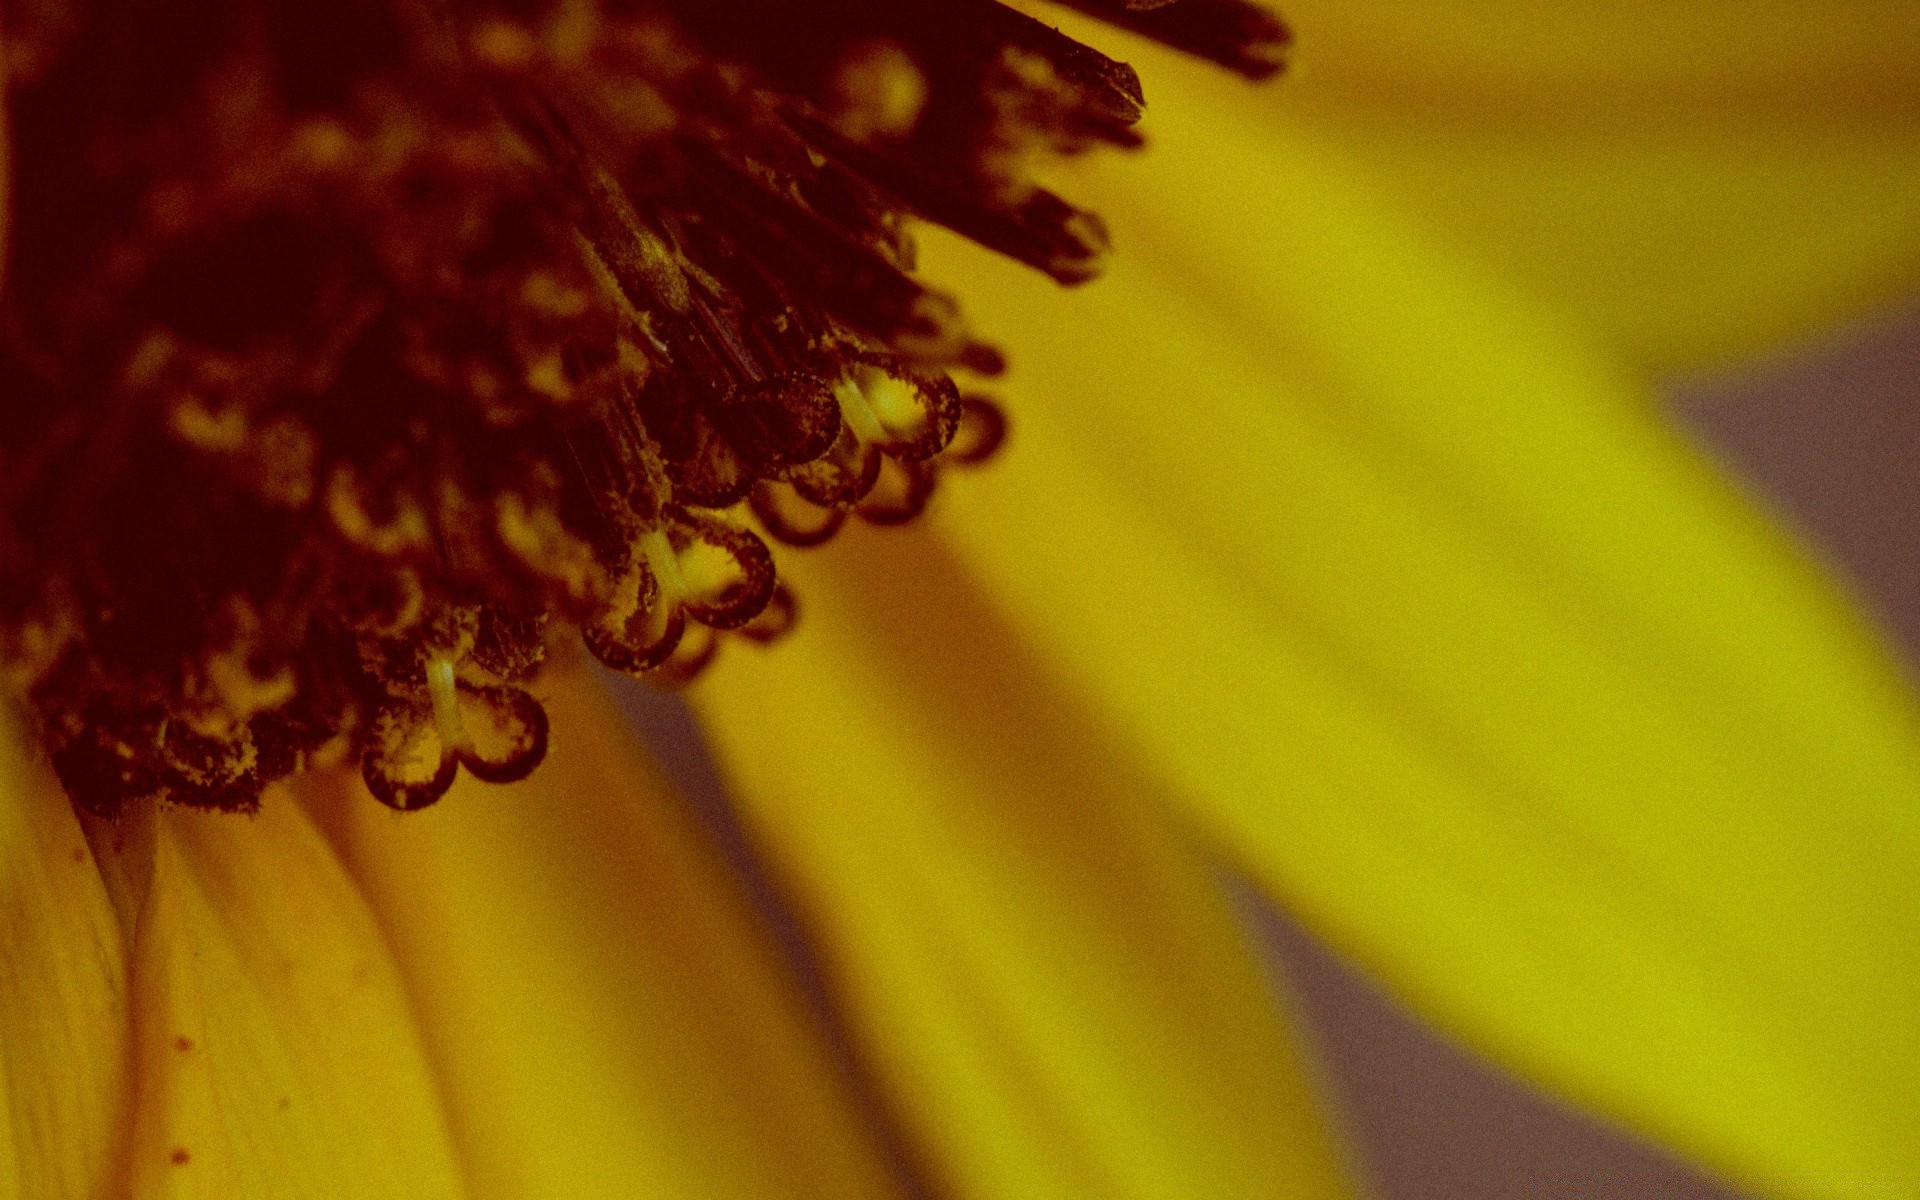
<point>1397,679</point>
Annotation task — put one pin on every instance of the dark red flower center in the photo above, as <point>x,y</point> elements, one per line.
<point>347,346</point>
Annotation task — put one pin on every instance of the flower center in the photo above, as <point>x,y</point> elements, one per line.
<point>348,346</point>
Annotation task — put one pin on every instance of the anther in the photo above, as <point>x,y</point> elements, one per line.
<point>980,432</point>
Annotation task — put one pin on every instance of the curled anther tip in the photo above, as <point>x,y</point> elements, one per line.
<point>842,478</point>
<point>775,621</point>
<point>629,651</point>
<point>688,662</point>
<point>518,723</point>
<point>981,434</point>
<point>791,519</point>
<point>727,570</point>
<point>407,795</point>
<point>1081,246</point>
<point>932,330</point>
<point>901,496</point>
<point>989,362</point>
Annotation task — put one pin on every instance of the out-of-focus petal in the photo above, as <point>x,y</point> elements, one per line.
<point>607,1016</point>
<point>1599,61</point>
<point>1679,247</point>
<point>1428,618</point>
<point>63,996</point>
<point>1044,973</point>
<point>275,1053</point>
<point>1691,181</point>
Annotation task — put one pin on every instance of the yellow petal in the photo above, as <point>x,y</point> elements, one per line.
<point>275,1053</point>
<point>1047,979</point>
<point>63,996</point>
<point>1560,60</point>
<point>1427,617</point>
<point>1679,247</point>
<point>1692,181</point>
<point>608,1018</point>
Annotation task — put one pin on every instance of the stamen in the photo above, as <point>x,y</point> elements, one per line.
<point>790,518</point>
<point>775,620</point>
<point>404,742</point>
<point>351,352</point>
<point>981,431</point>
<point>517,728</point>
<point>900,494</point>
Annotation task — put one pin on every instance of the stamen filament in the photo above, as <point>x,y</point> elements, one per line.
<point>859,414</point>
<point>446,706</point>
<point>670,582</point>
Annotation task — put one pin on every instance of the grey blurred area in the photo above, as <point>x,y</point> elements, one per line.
<point>1429,1120</point>
<point>1828,436</point>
